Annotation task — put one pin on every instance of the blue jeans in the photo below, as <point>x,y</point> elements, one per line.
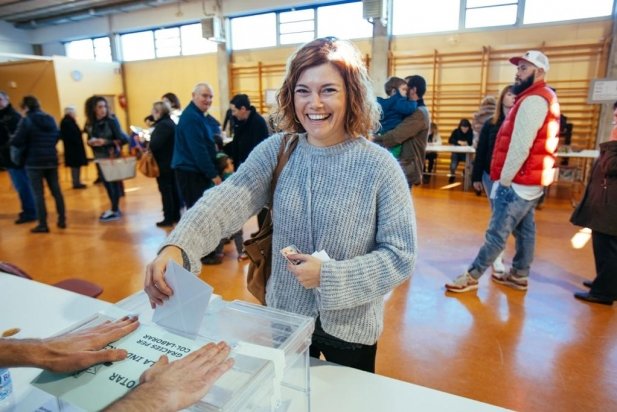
<point>488,186</point>
<point>511,215</point>
<point>21,183</point>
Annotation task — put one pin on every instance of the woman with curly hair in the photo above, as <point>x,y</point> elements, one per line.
<point>338,192</point>
<point>105,138</point>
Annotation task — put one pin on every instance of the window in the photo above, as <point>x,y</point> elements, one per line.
<point>297,26</point>
<point>541,11</point>
<point>253,31</point>
<point>137,46</point>
<point>90,49</point>
<point>80,49</point>
<point>344,21</point>
<point>167,42</point>
<point>102,49</point>
<point>487,13</point>
<point>193,42</point>
<point>424,16</point>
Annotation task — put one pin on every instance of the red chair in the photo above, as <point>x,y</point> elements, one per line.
<point>81,286</point>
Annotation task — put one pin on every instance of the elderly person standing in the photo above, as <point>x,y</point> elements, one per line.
<point>327,108</point>
<point>598,212</point>
<point>194,158</point>
<point>37,133</point>
<point>74,151</point>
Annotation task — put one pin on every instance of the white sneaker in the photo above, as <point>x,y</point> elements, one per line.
<point>498,266</point>
<point>462,283</point>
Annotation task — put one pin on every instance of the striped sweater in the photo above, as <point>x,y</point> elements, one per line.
<point>350,199</point>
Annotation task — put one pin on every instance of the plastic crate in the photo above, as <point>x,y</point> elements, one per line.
<point>270,347</point>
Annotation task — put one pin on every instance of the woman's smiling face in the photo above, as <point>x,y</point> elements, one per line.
<point>320,102</point>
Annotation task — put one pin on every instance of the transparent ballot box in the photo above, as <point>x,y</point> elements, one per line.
<point>270,348</point>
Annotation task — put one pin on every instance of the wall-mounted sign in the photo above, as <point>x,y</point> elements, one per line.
<point>602,91</point>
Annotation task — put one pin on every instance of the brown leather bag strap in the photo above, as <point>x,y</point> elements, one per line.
<point>288,145</point>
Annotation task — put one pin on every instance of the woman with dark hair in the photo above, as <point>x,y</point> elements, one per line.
<point>162,148</point>
<point>461,136</point>
<point>106,139</point>
<point>37,134</point>
<point>338,192</point>
<point>481,173</point>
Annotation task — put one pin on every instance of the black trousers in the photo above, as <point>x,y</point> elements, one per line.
<point>192,186</point>
<point>605,256</point>
<point>338,351</point>
<point>50,175</point>
<point>169,196</point>
<point>114,190</point>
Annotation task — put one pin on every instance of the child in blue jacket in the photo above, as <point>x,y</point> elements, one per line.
<point>395,108</point>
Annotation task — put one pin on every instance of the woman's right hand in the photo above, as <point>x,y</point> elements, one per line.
<point>155,286</point>
<point>478,186</point>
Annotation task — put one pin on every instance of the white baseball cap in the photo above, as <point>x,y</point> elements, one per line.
<point>534,57</point>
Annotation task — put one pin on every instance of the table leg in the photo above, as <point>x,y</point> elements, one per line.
<point>468,166</point>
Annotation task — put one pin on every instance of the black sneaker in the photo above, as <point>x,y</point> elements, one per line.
<point>211,260</point>
<point>23,219</point>
<point>165,223</point>
<point>80,186</point>
<point>62,224</point>
<point>109,216</point>
<point>40,229</point>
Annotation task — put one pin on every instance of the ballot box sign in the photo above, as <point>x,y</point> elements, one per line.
<point>100,385</point>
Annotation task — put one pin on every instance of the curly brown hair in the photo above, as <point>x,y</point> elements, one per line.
<point>90,109</point>
<point>361,111</point>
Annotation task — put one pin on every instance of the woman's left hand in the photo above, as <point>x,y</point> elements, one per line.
<point>308,271</point>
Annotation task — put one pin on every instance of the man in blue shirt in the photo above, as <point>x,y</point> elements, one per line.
<point>194,158</point>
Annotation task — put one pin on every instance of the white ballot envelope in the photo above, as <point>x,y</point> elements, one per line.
<point>183,312</point>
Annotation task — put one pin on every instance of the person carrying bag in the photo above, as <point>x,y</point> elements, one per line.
<point>259,248</point>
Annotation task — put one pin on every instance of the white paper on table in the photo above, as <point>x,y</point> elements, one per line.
<point>183,312</point>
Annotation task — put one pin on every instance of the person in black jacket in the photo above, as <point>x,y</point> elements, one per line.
<point>74,151</point>
<point>37,133</point>
<point>480,175</point>
<point>461,136</point>
<point>598,212</point>
<point>481,172</point>
<point>105,137</point>
<point>250,129</point>
<point>162,148</point>
<point>9,119</point>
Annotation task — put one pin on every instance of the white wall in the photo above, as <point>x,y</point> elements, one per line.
<point>13,41</point>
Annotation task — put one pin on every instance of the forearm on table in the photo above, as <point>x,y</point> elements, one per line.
<point>24,352</point>
<point>142,398</point>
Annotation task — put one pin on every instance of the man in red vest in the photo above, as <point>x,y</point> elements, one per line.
<point>522,164</point>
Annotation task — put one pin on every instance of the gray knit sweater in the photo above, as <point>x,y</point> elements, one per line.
<point>350,199</point>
